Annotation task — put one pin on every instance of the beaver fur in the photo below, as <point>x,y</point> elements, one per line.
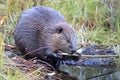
<point>42,32</point>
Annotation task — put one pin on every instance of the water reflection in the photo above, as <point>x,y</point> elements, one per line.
<point>93,73</point>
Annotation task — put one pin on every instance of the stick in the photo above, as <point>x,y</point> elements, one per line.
<point>101,75</point>
<point>90,56</point>
<point>99,56</point>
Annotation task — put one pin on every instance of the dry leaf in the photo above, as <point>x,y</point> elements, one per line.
<point>3,19</point>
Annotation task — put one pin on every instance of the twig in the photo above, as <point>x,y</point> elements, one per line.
<point>8,47</point>
<point>99,56</point>
<point>102,75</point>
<point>34,51</point>
<point>90,56</point>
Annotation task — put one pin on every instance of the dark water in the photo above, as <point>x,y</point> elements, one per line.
<point>93,73</point>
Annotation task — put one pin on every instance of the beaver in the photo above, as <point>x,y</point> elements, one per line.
<point>42,32</point>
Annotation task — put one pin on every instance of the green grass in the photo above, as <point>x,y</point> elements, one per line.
<point>7,72</point>
<point>76,12</point>
<point>1,52</point>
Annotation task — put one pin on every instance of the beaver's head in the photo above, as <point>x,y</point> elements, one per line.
<point>62,38</point>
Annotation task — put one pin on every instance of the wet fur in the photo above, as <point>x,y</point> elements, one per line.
<point>41,32</point>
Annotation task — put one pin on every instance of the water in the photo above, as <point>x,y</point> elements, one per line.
<point>101,68</point>
<point>92,73</point>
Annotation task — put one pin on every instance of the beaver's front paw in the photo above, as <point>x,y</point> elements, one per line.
<point>56,55</point>
<point>53,55</point>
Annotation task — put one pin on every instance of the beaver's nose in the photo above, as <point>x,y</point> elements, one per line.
<point>73,51</point>
<point>70,46</point>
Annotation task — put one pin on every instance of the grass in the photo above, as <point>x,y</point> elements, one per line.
<point>94,20</point>
<point>7,72</point>
<point>76,13</point>
<point>1,52</point>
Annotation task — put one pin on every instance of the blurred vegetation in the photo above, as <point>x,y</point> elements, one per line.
<point>95,21</point>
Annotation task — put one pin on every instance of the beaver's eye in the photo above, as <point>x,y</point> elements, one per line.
<point>68,41</point>
<point>59,30</point>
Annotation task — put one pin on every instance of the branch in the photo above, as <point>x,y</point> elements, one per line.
<point>90,56</point>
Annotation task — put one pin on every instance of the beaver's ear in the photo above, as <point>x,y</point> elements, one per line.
<point>59,30</point>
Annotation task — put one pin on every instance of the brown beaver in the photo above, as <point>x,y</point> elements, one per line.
<point>42,32</point>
